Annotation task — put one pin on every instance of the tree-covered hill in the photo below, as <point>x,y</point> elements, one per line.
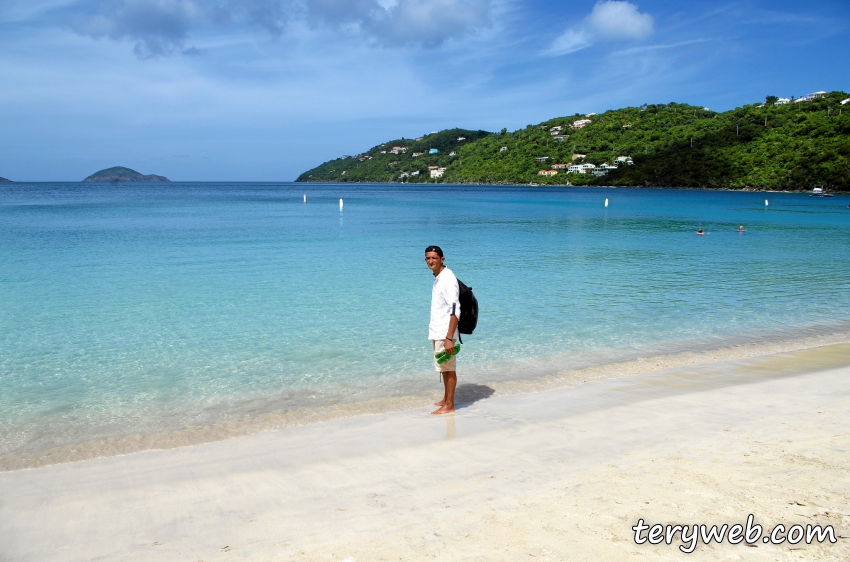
<point>773,145</point>
<point>397,160</point>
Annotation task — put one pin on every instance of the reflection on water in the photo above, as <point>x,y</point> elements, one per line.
<point>451,430</point>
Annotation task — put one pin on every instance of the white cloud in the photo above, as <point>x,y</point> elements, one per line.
<point>572,40</point>
<point>163,27</point>
<point>610,20</point>
<point>395,23</point>
<point>619,20</point>
<point>428,23</point>
<point>646,48</point>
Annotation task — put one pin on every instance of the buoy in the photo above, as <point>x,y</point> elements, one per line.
<point>766,203</point>
<point>340,204</point>
<point>305,197</point>
<point>606,202</point>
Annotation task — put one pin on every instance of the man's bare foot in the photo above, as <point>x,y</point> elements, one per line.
<point>440,403</point>
<point>443,411</point>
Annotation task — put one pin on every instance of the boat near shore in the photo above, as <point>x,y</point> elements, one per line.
<point>819,191</point>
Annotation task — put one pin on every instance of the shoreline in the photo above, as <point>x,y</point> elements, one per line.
<point>555,475</point>
<point>802,190</point>
<point>621,368</point>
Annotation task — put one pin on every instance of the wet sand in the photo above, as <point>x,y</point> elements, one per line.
<point>523,377</point>
<point>557,475</point>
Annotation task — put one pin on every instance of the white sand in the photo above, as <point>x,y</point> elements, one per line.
<point>557,475</point>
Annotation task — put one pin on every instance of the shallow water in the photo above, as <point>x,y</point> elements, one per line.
<point>133,310</point>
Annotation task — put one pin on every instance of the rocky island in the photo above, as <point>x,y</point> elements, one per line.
<point>120,173</point>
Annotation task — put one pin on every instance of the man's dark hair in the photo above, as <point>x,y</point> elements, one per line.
<point>434,249</point>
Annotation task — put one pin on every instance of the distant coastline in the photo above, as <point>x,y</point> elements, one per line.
<point>594,185</point>
<point>122,174</point>
<point>4,180</point>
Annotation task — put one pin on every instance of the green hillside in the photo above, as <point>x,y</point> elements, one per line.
<point>120,173</point>
<point>382,164</point>
<point>773,145</point>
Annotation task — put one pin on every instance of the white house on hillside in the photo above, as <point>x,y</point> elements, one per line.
<point>581,168</point>
<point>811,97</point>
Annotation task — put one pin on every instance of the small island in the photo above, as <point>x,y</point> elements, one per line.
<point>120,173</point>
<point>4,180</point>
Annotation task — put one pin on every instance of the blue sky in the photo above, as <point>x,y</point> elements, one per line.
<point>261,90</point>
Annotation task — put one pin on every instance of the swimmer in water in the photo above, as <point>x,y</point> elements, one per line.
<point>741,228</point>
<point>700,232</point>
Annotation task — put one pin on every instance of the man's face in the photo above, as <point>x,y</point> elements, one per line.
<point>434,261</point>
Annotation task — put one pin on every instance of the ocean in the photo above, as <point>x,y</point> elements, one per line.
<point>136,316</point>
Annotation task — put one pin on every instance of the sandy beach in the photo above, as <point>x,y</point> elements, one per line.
<point>557,475</point>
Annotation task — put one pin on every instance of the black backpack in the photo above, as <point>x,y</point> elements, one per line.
<point>468,309</point>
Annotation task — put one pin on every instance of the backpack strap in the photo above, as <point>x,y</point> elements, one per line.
<point>459,337</point>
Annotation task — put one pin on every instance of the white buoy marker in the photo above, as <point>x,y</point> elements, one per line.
<point>340,204</point>
<point>766,203</point>
<point>305,197</point>
<point>606,202</point>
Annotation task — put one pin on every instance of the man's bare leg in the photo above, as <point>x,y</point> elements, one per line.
<point>448,405</point>
<point>443,401</point>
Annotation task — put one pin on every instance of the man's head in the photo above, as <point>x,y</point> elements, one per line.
<point>434,259</point>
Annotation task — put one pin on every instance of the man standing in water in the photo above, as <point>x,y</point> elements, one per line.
<point>442,331</point>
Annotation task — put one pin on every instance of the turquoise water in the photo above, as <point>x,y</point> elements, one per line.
<point>137,309</point>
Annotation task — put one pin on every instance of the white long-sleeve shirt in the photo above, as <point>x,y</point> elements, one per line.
<point>444,303</point>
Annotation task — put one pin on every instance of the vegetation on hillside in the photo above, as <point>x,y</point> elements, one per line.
<point>383,164</point>
<point>759,146</point>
